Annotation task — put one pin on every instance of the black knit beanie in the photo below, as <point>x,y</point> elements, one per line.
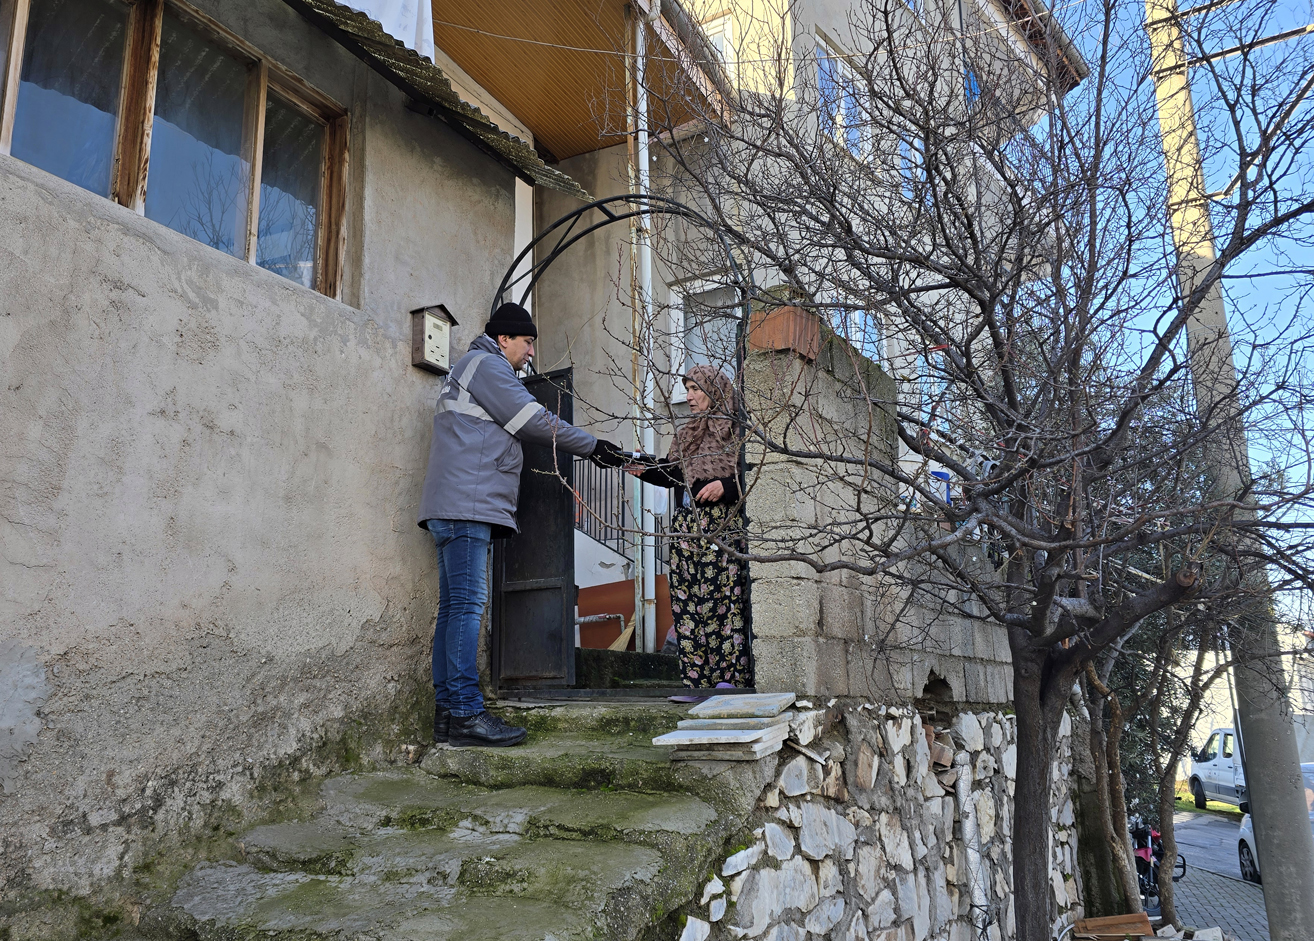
<point>511,320</point>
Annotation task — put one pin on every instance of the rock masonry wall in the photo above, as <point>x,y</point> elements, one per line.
<point>877,829</point>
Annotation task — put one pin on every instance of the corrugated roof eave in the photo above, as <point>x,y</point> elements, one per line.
<point>422,79</point>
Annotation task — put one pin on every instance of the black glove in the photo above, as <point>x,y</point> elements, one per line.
<point>607,454</point>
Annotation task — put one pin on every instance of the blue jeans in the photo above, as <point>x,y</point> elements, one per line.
<point>462,594</point>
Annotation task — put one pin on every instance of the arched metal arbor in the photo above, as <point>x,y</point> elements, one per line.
<point>568,230</point>
<point>614,209</point>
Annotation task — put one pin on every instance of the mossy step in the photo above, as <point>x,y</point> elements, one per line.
<point>466,891</point>
<point>365,816</point>
<point>643,719</point>
<point>584,761</point>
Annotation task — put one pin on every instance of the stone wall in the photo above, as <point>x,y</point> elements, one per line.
<point>871,833</point>
<point>838,633</point>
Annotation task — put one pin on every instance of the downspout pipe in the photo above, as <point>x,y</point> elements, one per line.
<point>648,554</point>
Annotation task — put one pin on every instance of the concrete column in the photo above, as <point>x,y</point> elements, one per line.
<point>1276,791</point>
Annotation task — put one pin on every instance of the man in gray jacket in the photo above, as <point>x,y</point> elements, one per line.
<point>470,495</point>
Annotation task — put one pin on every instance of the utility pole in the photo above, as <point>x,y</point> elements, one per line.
<point>1276,791</point>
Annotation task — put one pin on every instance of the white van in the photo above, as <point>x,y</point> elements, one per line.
<point>1216,773</point>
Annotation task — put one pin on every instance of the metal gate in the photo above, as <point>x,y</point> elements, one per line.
<point>533,625</point>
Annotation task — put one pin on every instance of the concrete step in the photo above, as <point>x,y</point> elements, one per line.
<point>585,831</point>
<point>447,887</point>
<point>643,718</point>
<point>586,761</point>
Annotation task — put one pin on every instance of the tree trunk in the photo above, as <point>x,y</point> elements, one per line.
<point>1168,834</point>
<point>1118,806</point>
<point>1112,806</point>
<point>1103,892</point>
<point>1039,696</point>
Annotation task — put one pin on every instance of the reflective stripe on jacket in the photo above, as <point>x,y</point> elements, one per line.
<point>483,414</point>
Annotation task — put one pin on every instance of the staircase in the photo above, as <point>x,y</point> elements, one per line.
<point>584,831</point>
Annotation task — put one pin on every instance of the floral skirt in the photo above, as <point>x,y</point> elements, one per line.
<point>708,590</point>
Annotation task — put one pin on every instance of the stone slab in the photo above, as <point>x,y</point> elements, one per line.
<point>741,723</point>
<point>728,753</point>
<point>688,737</point>
<point>767,739</point>
<point>745,705</point>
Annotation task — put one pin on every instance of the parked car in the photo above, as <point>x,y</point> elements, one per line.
<point>1215,774</point>
<point>1245,847</point>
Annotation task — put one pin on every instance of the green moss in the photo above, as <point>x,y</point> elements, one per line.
<point>283,789</point>
<point>489,877</point>
<point>435,818</point>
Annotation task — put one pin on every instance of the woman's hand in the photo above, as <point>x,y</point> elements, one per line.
<point>711,493</point>
<point>634,470</point>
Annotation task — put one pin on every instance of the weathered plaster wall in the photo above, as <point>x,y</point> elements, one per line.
<point>210,572</point>
<point>878,843</point>
<point>838,633</point>
<point>582,302</point>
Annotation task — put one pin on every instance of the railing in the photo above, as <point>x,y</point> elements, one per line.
<point>603,511</point>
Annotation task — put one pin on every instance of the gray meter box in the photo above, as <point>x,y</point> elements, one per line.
<point>431,338</point>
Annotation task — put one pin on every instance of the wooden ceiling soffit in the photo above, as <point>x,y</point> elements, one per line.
<point>560,67</point>
<point>427,85</point>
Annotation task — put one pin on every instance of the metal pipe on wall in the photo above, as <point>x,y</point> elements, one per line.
<point>648,550</point>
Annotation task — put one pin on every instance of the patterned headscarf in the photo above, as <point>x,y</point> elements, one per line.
<point>707,445</point>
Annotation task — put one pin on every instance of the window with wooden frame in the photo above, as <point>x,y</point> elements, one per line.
<point>154,105</point>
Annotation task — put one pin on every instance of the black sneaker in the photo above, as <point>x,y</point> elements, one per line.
<point>442,718</point>
<point>484,728</point>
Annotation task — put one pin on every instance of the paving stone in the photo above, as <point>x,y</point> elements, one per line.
<point>906,888</point>
<point>695,929</point>
<point>779,841</point>
<point>747,705</point>
<point>786,932</point>
<point>881,913</point>
<point>717,910</point>
<point>750,752</point>
<point>898,733</point>
<point>825,916</point>
<point>871,871</point>
<point>798,776</point>
<point>922,916</point>
<point>714,887</point>
<point>687,737</point>
<point>743,723</point>
<point>807,725</point>
<point>985,815</point>
<point>968,731</point>
<point>856,930</point>
<point>895,840</point>
<point>829,879</point>
<point>1206,899</point>
<point>823,832</point>
<point>869,763</point>
<point>740,861</point>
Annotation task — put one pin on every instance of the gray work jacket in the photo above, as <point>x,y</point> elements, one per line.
<point>483,414</point>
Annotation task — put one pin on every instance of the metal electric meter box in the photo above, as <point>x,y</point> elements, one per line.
<point>431,338</point>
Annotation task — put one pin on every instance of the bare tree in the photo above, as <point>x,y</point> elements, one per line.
<point>977,213</point>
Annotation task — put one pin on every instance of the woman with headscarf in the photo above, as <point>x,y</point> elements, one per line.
<point>708,586</point>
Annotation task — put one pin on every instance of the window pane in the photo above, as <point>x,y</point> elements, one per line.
<point>196,170</point>
<point>711,325</point>
<point>68,97</point>
<point>289,193</point>
<point>827,90</point>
